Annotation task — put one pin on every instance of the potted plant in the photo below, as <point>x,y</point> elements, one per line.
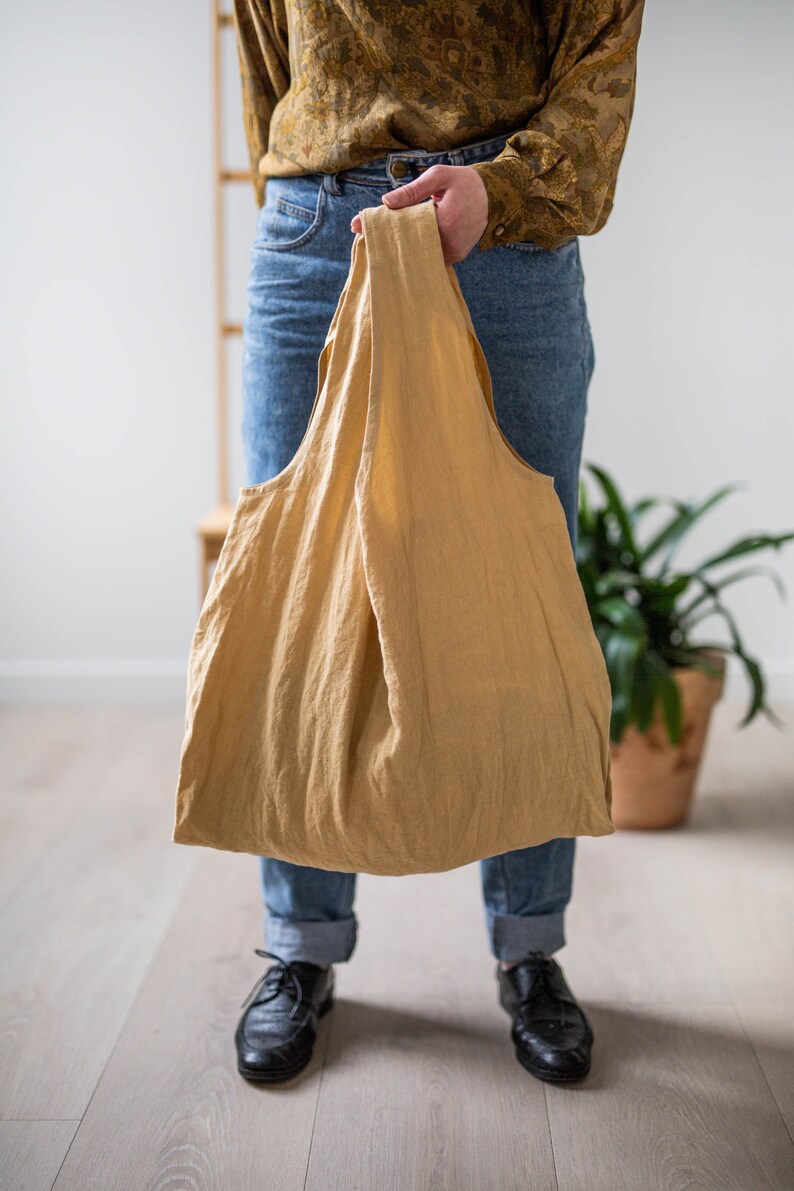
<point>645,611</point>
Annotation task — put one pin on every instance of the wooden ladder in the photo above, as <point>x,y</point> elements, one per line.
<point>212,529</point>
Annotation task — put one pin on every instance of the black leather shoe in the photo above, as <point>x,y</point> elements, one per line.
<point>275,1036</point>
<point>552,1034</point>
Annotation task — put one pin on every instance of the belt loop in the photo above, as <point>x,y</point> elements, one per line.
<point>331,183</point>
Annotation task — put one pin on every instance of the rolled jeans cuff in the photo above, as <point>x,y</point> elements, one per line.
<point>513,936</point>
<point>311,941</point>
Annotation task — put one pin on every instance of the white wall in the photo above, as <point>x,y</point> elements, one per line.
<point>689,288</point>
<point>107,350</point>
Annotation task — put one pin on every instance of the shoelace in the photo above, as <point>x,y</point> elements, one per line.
<point>283,969</point>
<point>543,967</point>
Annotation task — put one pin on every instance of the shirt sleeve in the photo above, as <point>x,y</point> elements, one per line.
<point>263,55</point>
<point>556,178</point>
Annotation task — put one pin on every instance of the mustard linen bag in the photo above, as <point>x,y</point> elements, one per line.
<point>394,670</point>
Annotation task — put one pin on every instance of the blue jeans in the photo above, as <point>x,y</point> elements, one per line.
<point>528,309</point>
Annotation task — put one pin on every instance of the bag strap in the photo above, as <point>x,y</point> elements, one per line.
<point>408,276</point>
<point>409,279</point>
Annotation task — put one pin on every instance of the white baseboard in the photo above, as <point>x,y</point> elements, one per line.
<point>118,682</point>
<point>156,682</point>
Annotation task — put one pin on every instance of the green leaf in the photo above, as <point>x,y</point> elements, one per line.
<point>670,695</point>
<point>644,694</point>
<point>637,615</point>
<point>616,507</point>
<point>622,615</point>
<point>640,507</point>
<point>748,545</point>
<point>673,534</point>
<point>692,657</point>
<point>712,586</point>
<point>619,717</point>
<point>615,581</point>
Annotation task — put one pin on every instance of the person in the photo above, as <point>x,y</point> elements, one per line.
<point>512,118</point>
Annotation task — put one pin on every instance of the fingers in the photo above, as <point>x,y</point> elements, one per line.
<point>430,184</point>
<point>431,181</point>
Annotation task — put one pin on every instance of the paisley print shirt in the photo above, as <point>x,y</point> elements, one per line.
<point>330,84</point>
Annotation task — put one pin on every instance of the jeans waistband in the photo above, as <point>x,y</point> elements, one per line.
<point>403,165</point>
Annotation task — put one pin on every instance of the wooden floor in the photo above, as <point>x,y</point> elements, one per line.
<point>125,959</point>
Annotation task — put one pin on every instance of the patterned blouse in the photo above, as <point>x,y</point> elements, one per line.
<point>330,84</point>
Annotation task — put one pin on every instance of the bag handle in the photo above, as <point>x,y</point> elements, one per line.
<point>405,243</point>
<point>407,271</point>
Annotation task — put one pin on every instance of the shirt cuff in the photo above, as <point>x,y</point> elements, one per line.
<point>505,203</point>
<point>514,214</point>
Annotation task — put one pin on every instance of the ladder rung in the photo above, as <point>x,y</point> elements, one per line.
<point>225,18</point>
<point>235,176</point>
<point>232,328</point>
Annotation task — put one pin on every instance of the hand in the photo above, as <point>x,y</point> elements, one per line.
<point>461,202</point>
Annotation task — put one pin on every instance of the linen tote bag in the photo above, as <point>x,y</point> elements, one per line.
<point>394,670</point>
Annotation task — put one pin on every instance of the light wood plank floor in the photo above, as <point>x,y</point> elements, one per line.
<point>126,958</point>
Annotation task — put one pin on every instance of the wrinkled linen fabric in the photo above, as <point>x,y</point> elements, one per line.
<point>394,670</point>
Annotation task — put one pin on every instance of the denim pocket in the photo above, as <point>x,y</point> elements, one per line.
<point>293,212</point>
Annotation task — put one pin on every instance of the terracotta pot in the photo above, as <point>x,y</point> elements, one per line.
<point>653,781</point>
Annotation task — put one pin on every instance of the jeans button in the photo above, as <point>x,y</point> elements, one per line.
<point>399,169</point>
